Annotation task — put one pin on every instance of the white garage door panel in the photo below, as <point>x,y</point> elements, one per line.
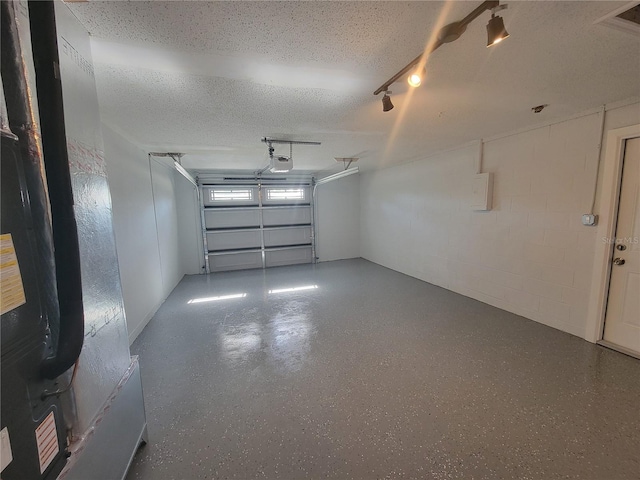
<point>235,261</point>
<point>290,256</point>
<point>233,240</point>
<point>287,236</point>
<point>232,218</point>
<point>286,216</point>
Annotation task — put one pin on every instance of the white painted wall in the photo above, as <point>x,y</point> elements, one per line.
<point>164,201</point>
<point>338,219</point>
<point>189,226</point>
<point>135,230</point>
<point>146,197</point>
<point>530,255</point>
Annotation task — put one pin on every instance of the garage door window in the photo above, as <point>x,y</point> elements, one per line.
<point>231,195</point>
<point>285,194</point>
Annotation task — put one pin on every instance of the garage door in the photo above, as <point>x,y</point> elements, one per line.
<point>257,225</point>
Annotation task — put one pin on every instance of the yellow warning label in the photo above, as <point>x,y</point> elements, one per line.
<point>11,289</point>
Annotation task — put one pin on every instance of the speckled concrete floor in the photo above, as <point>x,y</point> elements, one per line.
<point>374,374</point>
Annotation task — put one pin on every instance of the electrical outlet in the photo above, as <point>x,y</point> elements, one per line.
<point>589,219</point>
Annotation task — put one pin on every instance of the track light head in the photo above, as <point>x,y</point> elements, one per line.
<point>495,30</point>
<point>386,102</point>
<point>415,78</point>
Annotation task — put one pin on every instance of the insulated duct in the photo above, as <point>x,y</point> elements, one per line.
<point>65,232</point>
<point>23,123</point>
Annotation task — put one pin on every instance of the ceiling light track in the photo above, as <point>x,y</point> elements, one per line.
<point>449,33</point>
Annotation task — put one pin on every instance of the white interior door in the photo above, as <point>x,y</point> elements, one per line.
<point>622,321</point>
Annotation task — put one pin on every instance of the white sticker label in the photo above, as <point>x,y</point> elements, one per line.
<point>47,439</point>
<point>6,457</point>
<point>11,289</point>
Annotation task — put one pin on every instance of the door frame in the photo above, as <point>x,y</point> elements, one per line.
<point>607,223</point>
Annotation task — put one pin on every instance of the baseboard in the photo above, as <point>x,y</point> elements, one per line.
<point>133,334</point>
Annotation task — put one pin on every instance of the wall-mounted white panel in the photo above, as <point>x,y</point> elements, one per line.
<point>290,256</point>
<point>232,218</point>
<point>286,216</point>
<point>235,261</point>
<point>482,192</point>
<point>287,236</point>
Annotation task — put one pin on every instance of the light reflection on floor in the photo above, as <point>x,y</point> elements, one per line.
<point>290,339</point>
<point>240,341</point>
<point>282,334</point>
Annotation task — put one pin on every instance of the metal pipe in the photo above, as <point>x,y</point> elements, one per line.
<point>203,224</point>
<point>603,113</point>
<point>314,233</point>
<point>462,24</point>
<point>337,176</point>
<point>181,170</point>
<point>263,256</point>
<point>479,158</point>
<point>261,171</point>
<point>56,162</point>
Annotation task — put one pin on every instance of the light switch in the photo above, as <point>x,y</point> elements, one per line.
<point>589,219</point>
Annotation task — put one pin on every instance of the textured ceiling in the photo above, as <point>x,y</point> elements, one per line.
<point>212,78</point>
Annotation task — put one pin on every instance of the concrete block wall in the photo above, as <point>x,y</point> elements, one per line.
<point>530,254</point>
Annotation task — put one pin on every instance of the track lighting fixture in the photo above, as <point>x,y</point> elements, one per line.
<point>449,33</point>
<point>386,102</point>
<point>495,30</point>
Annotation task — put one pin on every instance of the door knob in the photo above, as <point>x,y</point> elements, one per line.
<point>618,261</point>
